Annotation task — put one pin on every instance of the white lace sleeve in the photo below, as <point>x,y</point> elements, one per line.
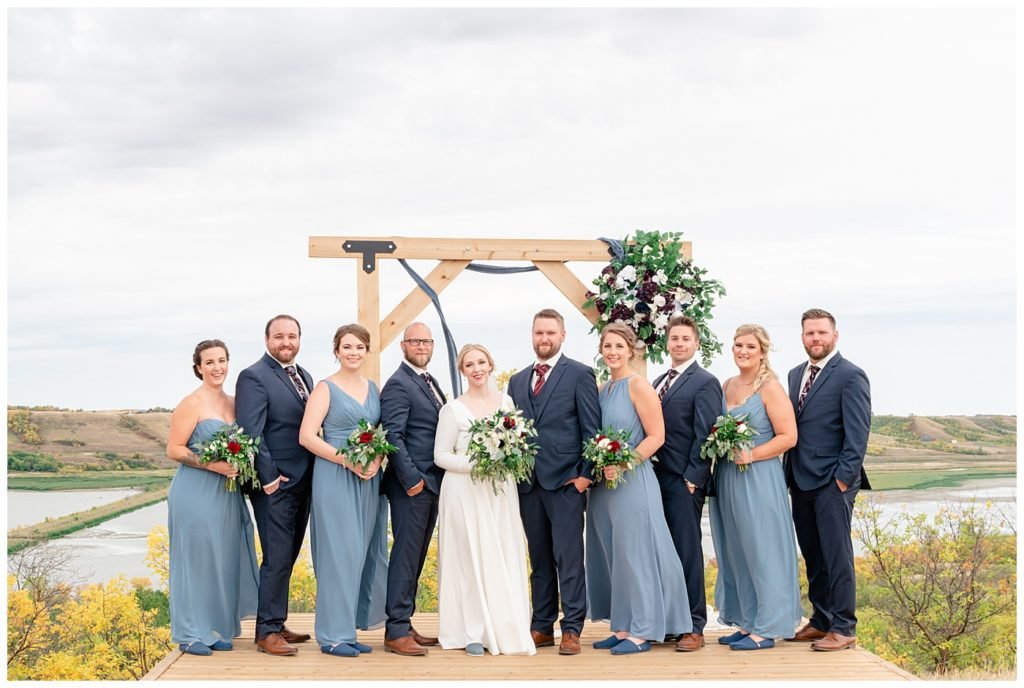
<point>446,440</point>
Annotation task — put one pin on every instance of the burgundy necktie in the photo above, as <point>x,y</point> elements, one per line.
<point>433,392</point>
<point>299,387</point>
<point>541,370</point>
<point>667,383</point>
<point>807,387</point>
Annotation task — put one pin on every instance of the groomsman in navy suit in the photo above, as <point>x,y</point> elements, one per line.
<point>270,399</point>
<point>409,404</point>
<point>824,471</point>
<point>691,400</point>
<point>560,395</point>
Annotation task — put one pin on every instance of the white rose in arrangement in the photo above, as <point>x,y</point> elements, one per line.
<point>660,277</point>
<point>661,320</point>
<point>683,296</point>
<point>603,444</point>
<point>659,300</point>
<point>627,274</point>
<point>741,428</point>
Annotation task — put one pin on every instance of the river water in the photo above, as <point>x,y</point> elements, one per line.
<point>119,545</point>
<point>25,507</point>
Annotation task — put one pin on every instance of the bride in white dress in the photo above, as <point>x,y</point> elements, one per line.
<point>483,600</point>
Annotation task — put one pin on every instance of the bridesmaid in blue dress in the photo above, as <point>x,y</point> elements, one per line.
<point>634,577</point>
<point>751,521</point>
<point>213,573</point>
<point>348,515</point>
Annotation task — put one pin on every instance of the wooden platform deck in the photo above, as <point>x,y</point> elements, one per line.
<point>793,661</point>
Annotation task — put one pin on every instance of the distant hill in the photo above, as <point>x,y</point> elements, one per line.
<point>96,437</point>
<point>90,437</point>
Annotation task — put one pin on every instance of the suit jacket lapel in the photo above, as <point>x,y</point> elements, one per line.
<point>521,380</point>
<point>287,381</point>
<point>794,385</point>
<point>554,376</point>
<point>821,379</point>
<point>424,387</point>
<point>678,384</point>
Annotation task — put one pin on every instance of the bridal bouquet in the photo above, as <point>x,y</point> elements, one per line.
<point>610,448</point>
<point>231,444</point>
<point>729,436</point>
<point>366,443</point>
<point>499,448</point>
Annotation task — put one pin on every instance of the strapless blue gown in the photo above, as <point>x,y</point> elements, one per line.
<point>634,577</point>
<point>752,529</point>
<point>348,526</point>
<point>214,578</point>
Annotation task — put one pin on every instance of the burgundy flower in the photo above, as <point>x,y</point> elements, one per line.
<point>621,312</point>
<point>234,447</point>
<point>508,422</point>
<point>365,437</point>
<point>614,446</point>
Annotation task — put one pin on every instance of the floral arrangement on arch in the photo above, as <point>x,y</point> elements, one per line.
<point>650,283</point>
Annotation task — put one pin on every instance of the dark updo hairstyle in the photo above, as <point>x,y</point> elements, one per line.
<point>197,355</point>
<point>354,329</point>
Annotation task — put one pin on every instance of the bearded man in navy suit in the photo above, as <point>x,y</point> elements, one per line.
<point>409,404</point>
<point>691,401</point>
<point>824,471</point>
<point>270,401</point>
<point>560,395</point>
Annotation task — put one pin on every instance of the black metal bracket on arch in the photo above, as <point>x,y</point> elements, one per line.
<point>369,249</point>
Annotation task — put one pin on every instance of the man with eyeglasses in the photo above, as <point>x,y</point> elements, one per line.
<point>409,404</point>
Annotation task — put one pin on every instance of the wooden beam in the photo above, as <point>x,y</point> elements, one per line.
<point>468,249</point>
<point>412,305</point>
<point>570,286</point>
<point>368,298</point>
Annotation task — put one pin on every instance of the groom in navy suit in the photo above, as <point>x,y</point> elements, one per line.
<point>560,395</point>
<point>270,399</point>
<point>824,471</point>
<point>409,404</point>
<point>691,400</point>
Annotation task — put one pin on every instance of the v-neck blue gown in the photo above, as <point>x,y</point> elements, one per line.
<point>752,529</point>
<point>348,525</point>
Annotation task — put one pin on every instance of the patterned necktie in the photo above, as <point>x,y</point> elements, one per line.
<point>668,383</point>
<point>299,387</point>
<point>433,392</point>
<point>541,370</point>
<point>807,387</point>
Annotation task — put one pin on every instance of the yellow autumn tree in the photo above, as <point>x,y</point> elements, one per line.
<point>112,635</point>
<point>158,554</point>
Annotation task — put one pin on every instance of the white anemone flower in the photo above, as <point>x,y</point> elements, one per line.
<point>627,274</point>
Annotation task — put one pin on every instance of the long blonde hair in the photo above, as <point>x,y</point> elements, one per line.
<point>765,372</point>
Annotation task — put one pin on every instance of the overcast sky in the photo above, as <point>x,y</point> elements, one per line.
<point>166,168</point>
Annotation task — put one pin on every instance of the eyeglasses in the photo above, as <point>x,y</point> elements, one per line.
<point>419,342</point>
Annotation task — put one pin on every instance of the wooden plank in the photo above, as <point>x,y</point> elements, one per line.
<point>412,305</point>
<point>368,299</point>
<point>788,661</point>
<point>569,284</point>
<point>468,249</point>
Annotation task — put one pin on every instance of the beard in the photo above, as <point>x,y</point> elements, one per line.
<point>418,360</point>
<point>826,349</point>
<point>285,355</point>
<point>546,351</point>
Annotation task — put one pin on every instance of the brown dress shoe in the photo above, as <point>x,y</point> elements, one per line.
<point>570,644</point>
<point>541,640</point>
<point>422,639</point>
<point>292,637</point>
<point>690,642</point>
<point>275,645</point>
<point>405,646</point>
<point>834,641</point>
<point>807,633</point>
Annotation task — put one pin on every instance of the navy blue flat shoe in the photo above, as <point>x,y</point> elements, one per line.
<point>340,650</point>
<point>222,646</point>
<point>475,650</point>
<point>749,643</point>
<point>195,648</point>
<point>363,649</point>
<point>732,638</point>
<point>608,643</point>
<point>628,647</point>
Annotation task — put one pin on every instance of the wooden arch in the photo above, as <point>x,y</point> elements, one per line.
<point>549,255</point>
